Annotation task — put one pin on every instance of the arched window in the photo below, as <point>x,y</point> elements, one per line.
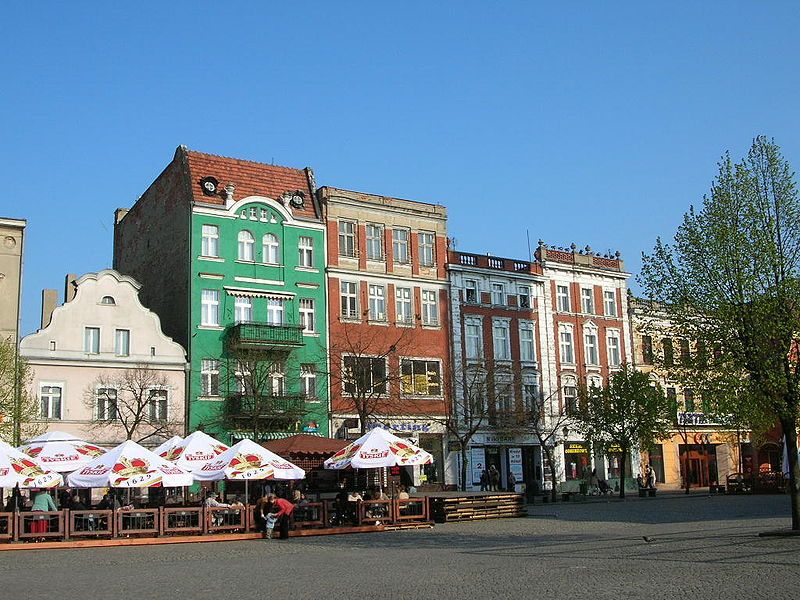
<point>107,300</point>
<point>246,245</point>
<point>270,248</point>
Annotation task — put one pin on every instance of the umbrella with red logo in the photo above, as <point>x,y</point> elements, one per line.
<point>61,452</point>
<point>377,449</point>
<point>16,469</point>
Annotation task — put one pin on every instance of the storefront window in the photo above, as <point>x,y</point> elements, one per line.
<point>657,462</point>
<point>614,457</point>
<point>432,443</point>
<point>576,460</point>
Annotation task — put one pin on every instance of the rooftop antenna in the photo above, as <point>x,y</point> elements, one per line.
<point>528,235</point>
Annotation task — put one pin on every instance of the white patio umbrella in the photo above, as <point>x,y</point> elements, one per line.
<point>61,452</point>
<point>16,469</point>
<point>129,465</point>
<point>247,460</point>
<point>377,449</point>
<point>168,449</point>
<point>196,450</point>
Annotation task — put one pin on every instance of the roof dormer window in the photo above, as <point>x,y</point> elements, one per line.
<point>108,300</point>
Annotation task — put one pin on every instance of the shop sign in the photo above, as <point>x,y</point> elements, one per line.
<point>405,426</point>
<point>614,449</point>
<point>515,463</point>
<point>575,448</point>
<point>494,439</point>
<point>477,464</point>
<point>695,419</point>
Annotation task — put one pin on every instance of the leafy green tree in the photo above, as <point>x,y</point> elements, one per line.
<point>731,278</point>
<point>631,412</point>
<point>19,411</point>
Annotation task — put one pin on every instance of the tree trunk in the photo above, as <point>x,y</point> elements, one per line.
<point>548,451</point>
<point>622,472</point>
<point>463,474</point>
<point>686,469</point>
<point>790,439</point>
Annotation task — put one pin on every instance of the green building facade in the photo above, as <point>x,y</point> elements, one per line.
<point>239,279</point>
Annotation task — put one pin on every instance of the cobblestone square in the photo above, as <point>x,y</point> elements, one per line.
<point>699,547</point>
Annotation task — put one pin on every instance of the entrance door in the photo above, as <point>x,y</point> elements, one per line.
<point>702,464</point>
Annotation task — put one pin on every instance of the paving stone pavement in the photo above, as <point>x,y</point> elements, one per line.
<point>698,547</point>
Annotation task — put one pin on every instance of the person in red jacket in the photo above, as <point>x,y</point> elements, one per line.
<point>285,510</point>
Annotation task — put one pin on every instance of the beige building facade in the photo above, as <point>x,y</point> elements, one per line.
<point>12,237</point>
<point>102,368</point>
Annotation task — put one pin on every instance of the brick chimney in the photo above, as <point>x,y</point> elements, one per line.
<point>49,303</point>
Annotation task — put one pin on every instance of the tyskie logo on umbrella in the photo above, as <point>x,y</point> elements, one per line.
<point>134,472</point>
<point>373,454</point>
<point>32,473</point>
<point>247,466</point>
<point>33,451</point>
<point>172,453</point>
<point>90,450</point>
<point>403,451</point>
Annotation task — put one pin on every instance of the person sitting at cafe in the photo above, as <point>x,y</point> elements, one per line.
<point>212,502</point>
<point>354,496</point>
<point>402,494</point>
<point>75,502</point>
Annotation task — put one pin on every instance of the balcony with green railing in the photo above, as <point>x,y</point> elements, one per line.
<point>264,336</point>
<point>268,408</point>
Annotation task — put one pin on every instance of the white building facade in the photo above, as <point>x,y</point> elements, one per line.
<point>102,368</point>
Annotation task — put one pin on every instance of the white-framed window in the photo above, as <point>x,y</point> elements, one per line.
<point>277,376</point>
<point>122,342</point>
<point>347,238</point>
<point>566,348</point>
<point>610,303</point>
<point>427,248</point>
<point>108,300</point>
<point>400,246</point>
<point>374,234</point>
<point>157,406</point>
<point>91,340</point>
<point>209,313</point>
<point>270,249</point>
<point>498,294</point>
<point>403,306</point>
<point>503,399</point>
<point>307,316</point>
<point>471,291</point>
<point>243,309</point>
<point>614,356</point>
<point>106,404</point>
<point>430,308</point>
<point>570,392</point>
<point>524,296</point>
<point>587,300</point>
<point>348,295</point>
<point>364,375</point>
<point>209,376</point>
<point>501,339</point>
<point>474,340</point>
<point>50,397</point>
<point>421,377</point>
<point>246,243</point>
<point>308,376</point>
<point>590,346</point>
<point>210,241</point>
<point>377,302</point>
<point>306,251</point>
<point>562,298</point>
<point>530,393</point>
<point>275,311</point>
<point>527,344</point>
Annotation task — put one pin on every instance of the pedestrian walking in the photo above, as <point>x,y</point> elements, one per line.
<point>494,478</point>
<point>512,482</point>
<point>484,480</point>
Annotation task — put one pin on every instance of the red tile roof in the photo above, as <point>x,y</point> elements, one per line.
<point>251,179</point>
<point>305,444</point>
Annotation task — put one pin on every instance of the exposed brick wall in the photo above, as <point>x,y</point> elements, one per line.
<point>151,244</point>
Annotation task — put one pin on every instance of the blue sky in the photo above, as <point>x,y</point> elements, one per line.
<point>597,123</point>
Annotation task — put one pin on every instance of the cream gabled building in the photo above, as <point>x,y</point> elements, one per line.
<point>83,351</point>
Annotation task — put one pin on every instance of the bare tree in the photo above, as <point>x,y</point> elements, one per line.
<point>260,395</point>
<point>361,370</point>
<point>466,409</point>
<point>136,402</point>
<point>19,409</point>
